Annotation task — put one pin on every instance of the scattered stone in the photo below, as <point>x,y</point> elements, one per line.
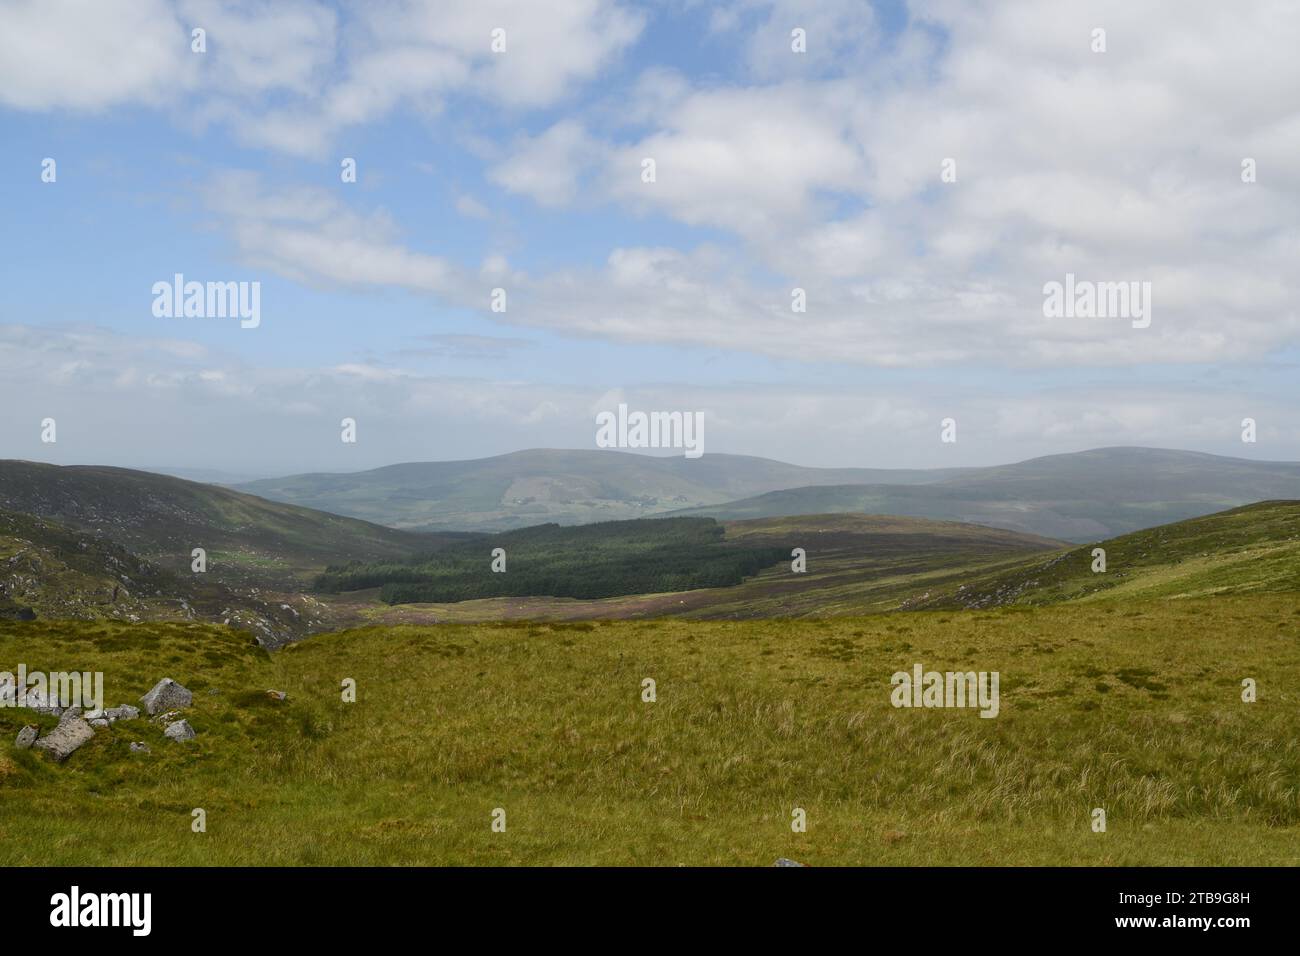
<point>276,694</point>
<point>39,702</point>
<point>783,861</point>
<point>99,722</point>
<point>165,695</point>
<point>60,742</point>
<point>26,737</point>
<point>140,747</point>
<point>69,714</point>
<point>95,714</point>
<point>180,730</point>
<point>125,712</point>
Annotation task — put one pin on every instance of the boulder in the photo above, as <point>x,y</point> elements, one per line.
<point>140,747</point>
<point>99,721</point>
<point>125,712</point>
<point>180,730</point>
<point>166,694</point>
<point>60,742</point>
<point>70,713</point>
<point>26,737</point>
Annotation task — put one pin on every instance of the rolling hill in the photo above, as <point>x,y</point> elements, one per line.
<point>1079,497</point>
<point>51,572</point>
<point>1083,496</point>
<point>855,564</point>
<point>866,564</point>
<point>162,519</point>
<point>546,485</point>
<point>1252,550</point>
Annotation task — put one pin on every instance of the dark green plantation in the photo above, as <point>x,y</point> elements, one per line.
<point>590,561</point>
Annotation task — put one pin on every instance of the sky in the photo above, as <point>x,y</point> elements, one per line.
<point>921,171</point>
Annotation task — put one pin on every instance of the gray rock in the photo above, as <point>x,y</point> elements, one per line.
<point>69,714</point>
<point>95,714</point>
<point>125,712</point>
<point>60,742</point>
<point>26,737</point>
<point>783,861</point>
<point>139,747</point>
<point>99,722</point>
<point>165,695</point>
<point>180,730</point>
<point>37,700</point>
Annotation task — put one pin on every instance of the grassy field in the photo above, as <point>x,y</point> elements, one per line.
<point>1134,707</point>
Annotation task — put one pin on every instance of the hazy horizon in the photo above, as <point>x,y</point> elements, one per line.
<point>220,476</point>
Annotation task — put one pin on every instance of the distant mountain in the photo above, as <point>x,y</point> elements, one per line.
<point>1085,496</point>
<point>1075,497</point>
<point>162,519</point>
<point>546,485</point>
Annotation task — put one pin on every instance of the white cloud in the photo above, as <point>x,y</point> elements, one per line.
<point>1122,166</point>
<point>292,75</point>
<point>547,168</point>
<point>65,54</point>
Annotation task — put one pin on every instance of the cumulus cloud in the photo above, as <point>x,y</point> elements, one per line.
<point>63,54</point>
<point>1115,166</point>
<point>292,75</point>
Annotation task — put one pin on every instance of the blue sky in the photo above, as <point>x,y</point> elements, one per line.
<point>520,170</point>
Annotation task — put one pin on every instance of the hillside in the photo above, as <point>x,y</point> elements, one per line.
<point>1079,497</point>
<point>162,519</point>
<point>605,559</point>
<point>48,571</point>
<point>855,564</point>
<point>1244,551</point>
<point>545,485</point>
<point>1139,713</point>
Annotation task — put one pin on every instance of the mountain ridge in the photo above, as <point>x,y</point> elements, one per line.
<point>1075,496</point>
